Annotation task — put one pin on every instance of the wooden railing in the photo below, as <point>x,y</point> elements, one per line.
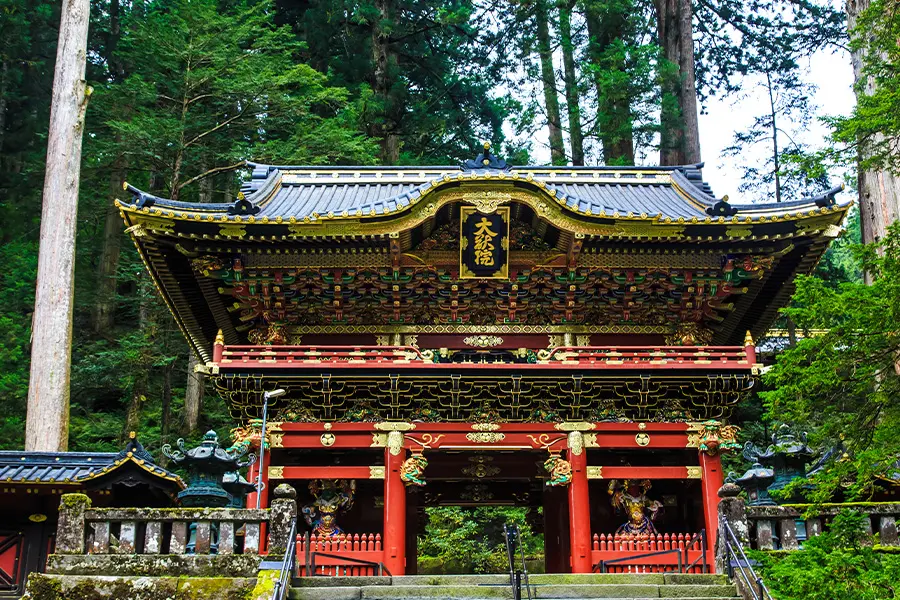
<point>338,555</point>
<point>673,552</point>
<point>740,358</point>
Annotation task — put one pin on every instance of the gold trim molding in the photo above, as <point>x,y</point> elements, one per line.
<point>376,472</point>
<point>574,426</point>
<point>485,427</point>
<point>394,426</point>
<point>694,472</point>
<point>276,472</point>
<point>486,437</point>
<point>595,472</point>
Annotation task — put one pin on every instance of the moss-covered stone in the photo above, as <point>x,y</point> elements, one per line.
<point>215,588</point>
<point>78,587</point>
<point>155,565</point>
<point>70,528</point>
<point>265,585</point>
<point>42,587</point>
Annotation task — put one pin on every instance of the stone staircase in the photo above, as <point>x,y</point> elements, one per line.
<point>490,587</point>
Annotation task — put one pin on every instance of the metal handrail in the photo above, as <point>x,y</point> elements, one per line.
<point>311,564</point>
<point>287,564</point>
<point>604,563</point>
<point>513,538</point>
<point>735,555</point>
<point>702,557</point>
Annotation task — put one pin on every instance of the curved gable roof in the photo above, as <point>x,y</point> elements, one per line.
<point>303,193</point>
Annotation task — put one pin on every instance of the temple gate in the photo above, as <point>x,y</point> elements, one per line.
<point>567,338</point>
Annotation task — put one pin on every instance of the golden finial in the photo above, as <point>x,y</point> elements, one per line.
<point>748,339</point>
<point>725,198</point>
<point>132,435</point>
<point>220,339</point>
<point>487,145</point>
<point>124,185</point>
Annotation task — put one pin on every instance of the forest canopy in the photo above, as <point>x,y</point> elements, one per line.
<point>186,91</point>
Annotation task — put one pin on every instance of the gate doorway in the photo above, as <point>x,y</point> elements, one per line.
<point>460,513</point>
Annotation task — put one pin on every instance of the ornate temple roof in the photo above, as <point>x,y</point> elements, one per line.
<point>308,251</point>
<point>315,194</point>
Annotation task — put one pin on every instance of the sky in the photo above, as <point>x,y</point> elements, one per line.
<point>832,74</point>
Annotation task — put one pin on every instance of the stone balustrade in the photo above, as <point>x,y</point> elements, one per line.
<point>224,542</point>
<point>785,527</point>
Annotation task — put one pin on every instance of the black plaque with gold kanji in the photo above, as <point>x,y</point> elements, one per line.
<point>484,243</point>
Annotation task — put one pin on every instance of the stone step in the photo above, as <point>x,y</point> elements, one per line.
<point>588,586</point>
<point>535,579</point>
<point>539,592</point>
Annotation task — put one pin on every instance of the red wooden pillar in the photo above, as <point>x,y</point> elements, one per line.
<point>711,482</point>
<point>263,464</point>
<point>394,539</point>
<point>579,507</point>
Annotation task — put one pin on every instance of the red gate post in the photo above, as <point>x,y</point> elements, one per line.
<point>711,482</point>
<point>394,541</point>
<point>262,463</point>
<point>579,506</point>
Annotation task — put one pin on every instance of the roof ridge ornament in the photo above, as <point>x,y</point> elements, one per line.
<point>721,209</point>
<point>826,199</point>
<point>486,160</point>
<point>242,206</point>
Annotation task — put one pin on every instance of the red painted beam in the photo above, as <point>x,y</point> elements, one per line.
<point>505,427</point>
<point>456,436</point>
<point>325,472</point>
<point>619,472</point>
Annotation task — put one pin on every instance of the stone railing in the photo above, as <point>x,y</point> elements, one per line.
<point>224,542</point>
<point>785,527</point>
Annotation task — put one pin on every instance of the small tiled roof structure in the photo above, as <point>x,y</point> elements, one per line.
<point>50,467</point>
<point>87,469</point>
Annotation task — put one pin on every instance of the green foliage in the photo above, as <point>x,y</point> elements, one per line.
<point>19,260</point>
<point>870,133</point>
<point>843,385</point>
<point>840,564</point>
<point>470,540</point>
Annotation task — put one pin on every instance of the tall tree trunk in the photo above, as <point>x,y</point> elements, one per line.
<point>776,162</point>
<point>879,191</point>
<point>680,138</point>
<point>193,395</point>
<point>194,385</point>
<point>570,75</point>
<point>548,78</point>
<point>383,79</point>
<point>4,87</point>
<point>103,315</point>
<point>47,421</point>
<point>615,121</point>
<point>144,364</point>
<point>166,404</point>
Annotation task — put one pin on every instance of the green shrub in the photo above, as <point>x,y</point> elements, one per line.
<point>840,564</point>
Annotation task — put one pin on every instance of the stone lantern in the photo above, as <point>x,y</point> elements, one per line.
<point>756,482</point>
<point>237,487</point>
<point>207,465</point>
<point>786,457</point>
